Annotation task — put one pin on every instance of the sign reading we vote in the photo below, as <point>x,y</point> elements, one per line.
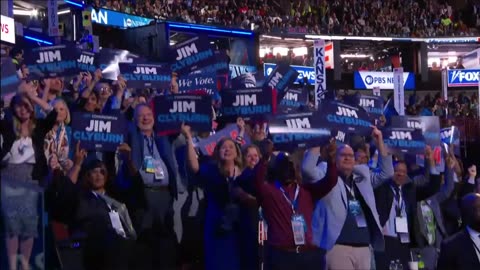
<point>98,132</point>
<point>173,110</point>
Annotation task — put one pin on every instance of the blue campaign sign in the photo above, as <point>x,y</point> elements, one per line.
<point>99,132</point>
<point>463,77</point>
<point>52,61</point>
<point>87,61</point>
<point>146,75</point>
<point>404,140</point>
<point>303,71</point>
<point>451,136</point>
<point>118,19</point>
<point>293,99</point>
<point>9,80</point>
<point>247,103</point>
<point>345,118</point>
<point>206,82</point>
<point>384,80</point>
<point>280,79</point>
<point>173,110</point>
<point>290,131</point>
<point>430,127</point>
<point>193,54</point>
<point>207,145</point>
<point>373,105</point>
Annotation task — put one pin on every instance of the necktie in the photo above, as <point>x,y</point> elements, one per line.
<point>397,199</point>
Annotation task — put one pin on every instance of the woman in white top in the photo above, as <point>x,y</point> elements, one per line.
<point>23,169</point>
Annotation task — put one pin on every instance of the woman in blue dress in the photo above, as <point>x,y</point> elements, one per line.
<point>221,217</point>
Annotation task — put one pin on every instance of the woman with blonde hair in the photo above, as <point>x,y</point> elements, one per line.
<point>221,217</point>
<point>57,140</point>
<point>23,169</point>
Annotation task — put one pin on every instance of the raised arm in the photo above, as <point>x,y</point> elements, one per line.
<point>192,159</point>
<point>449,184</point>
<point>434,179</point>
<point>322,187</point>
<point>79,157</point>
<point>310,171</point>
<point>385,162</point>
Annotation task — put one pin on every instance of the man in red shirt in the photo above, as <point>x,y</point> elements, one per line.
<point>288,208</point>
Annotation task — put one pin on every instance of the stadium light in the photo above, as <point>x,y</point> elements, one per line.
<point>73,3</point>
<point>46,42</point>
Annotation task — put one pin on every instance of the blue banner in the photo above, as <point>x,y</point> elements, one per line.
<point>195,53</point>
<point>173,110</point>
<point>288,132</point>
<point>247,103</point>
<point>451,136</point>
<point>87,62</point>
<point>373,105</point>
<point>463,77</point>
<point>384,80</point>
<point>303,72</point>
<point>293,99</point>
<point>53,61</point>
<point>404,140</point>
<point>203,82</point>
<point>430,127</point>
<point>146,75</point>
<point>207,145</point>
<point>346,118</point>
<point>98,132</point>
<point>117,19</point>
<point>108,60</point>
<point>280,79</point>
<point>9,78</point>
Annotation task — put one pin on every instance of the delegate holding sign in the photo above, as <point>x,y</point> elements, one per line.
<point>98,132</point>
<point>146,75</point>
<point>193,54</point>
<point>173,110</point>
<point>247,103</point>
<point>53,61</point>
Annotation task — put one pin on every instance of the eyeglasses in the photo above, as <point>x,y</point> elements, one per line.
<point>347,155</point>
<point>104,89</point>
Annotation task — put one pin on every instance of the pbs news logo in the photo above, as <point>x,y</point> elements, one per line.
<point>369,80</point>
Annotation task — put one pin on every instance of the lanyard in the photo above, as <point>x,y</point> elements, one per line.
<point>150,143</point>
<point>351,190</point>
<point>400,203</point>
<point>294,203</point>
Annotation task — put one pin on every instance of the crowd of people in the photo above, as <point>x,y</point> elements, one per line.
<point>392,18</point>
<point>333,206</point>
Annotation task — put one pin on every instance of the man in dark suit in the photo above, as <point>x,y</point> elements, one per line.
<point>153,217</point>
<point>397,202</point>
<point>462,250</point>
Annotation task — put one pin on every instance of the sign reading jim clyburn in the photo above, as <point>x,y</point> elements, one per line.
<point>384,80</point>
<point>463,77</point>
